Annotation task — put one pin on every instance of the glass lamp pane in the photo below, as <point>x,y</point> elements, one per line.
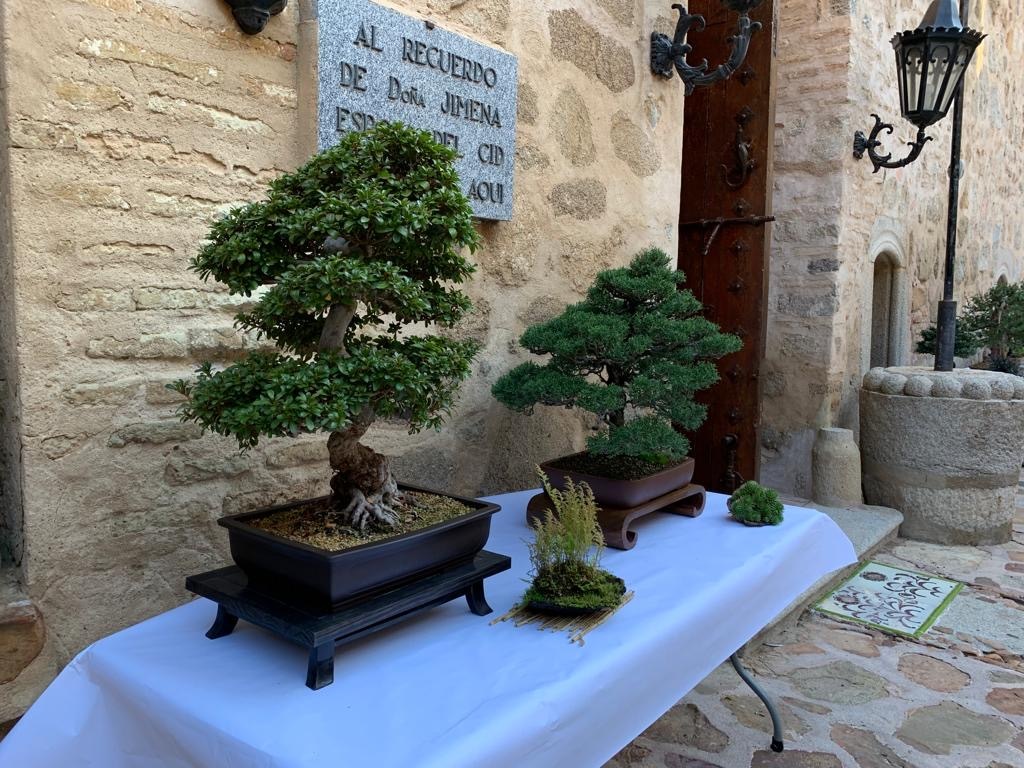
<point>913,65</point>
<point>939,61</point>
<point>963,56</point>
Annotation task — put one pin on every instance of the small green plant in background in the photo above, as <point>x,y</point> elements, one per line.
<point>964,343</point>
<point>995,319</point>
<point>754,504</point>
<point>566,554</point>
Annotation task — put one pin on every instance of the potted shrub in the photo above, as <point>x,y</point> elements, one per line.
<point>964,344</point>
<point>349,250</point>
<point>753,504</point>
<point>633,353</point>
<point>995,320</point>
<point>566,554</point>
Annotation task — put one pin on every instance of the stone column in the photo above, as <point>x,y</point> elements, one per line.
<point>306,86</point>
<point>945,449</point>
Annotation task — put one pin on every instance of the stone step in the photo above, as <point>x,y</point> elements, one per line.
<point>868,527</point>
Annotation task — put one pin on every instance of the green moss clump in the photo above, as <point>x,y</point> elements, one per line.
<point>589,589</point>
<point>566,553</point>
<point>753,503</point>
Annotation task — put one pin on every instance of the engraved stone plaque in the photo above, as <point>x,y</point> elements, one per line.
<point>378,64</point>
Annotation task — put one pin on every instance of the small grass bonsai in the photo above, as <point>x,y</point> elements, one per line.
<point>358,244</point>
<point>754,504</point>
<point>636,345</point>
<point>566,555</point>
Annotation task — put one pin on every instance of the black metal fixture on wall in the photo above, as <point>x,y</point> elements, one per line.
<point>252,15</point>
<point>668,53</point>
<point>930,63</point>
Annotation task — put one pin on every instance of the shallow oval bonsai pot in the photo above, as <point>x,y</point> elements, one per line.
<point>323,579</point>
<point>613,492</point>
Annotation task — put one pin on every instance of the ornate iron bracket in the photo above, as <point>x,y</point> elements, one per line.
<point>670,52</point>
<point>869,144</point>
<point>252,15</point>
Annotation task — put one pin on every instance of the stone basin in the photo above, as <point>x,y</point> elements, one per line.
<point>944,448</point>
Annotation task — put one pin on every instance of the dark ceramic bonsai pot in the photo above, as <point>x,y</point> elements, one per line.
<point>321,579</point>
<point>611,492</point>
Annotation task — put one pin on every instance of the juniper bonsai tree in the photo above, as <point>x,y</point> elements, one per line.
<point>634,353</point>
<point>359,243</point>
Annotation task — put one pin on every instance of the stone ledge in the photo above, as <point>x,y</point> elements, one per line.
<point>963,383</point>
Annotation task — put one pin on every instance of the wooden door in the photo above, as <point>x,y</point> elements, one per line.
<point>725,199</point>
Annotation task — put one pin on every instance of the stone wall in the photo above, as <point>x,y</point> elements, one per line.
<point>10,453</point>
<point>835,217</point>
<point>132,123</point>
<point>804,273</point>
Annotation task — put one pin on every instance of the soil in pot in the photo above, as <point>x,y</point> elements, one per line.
<point>614,467</point>
<point>315,525</point>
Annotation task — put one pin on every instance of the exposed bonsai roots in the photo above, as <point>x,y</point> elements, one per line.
<point>364,511</point>
<point>364,492</point>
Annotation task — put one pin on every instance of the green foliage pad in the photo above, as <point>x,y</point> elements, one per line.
<point>373,230</point>
<point>637,344</point>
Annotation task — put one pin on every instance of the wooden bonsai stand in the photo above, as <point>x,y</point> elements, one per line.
<point>321,631</point>
<point>615,522</point>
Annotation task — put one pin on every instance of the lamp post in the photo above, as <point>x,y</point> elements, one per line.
<point>930,65</point>
<point>670,52</point>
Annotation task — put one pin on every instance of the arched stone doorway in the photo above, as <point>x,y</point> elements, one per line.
<point>886,332</point>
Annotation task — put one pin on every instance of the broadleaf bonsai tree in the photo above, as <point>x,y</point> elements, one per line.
<point>634,353</point>
<point>351,249</point>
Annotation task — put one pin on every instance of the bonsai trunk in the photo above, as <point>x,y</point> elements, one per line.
<point>363,490</point>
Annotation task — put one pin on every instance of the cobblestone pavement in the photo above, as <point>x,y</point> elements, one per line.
<point>856,698</point>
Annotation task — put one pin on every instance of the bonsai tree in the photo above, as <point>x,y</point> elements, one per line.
<point>355,246</point>
<point>754,504</point>
<point>566,555</point>
<point>995,319</point>
<point>634,352</point>
<point>964,343</point>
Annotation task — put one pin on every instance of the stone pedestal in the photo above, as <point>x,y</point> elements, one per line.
<point>945,449</point>
<point>835,468</point>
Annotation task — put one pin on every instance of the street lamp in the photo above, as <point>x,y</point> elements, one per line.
<point>670,52</point>
<point>930,65</point>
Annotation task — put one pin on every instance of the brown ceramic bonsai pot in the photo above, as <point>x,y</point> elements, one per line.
<point>612,492</point>
<point>326,580</point>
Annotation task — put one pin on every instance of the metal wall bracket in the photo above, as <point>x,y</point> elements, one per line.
<point>252,15</point>
<point>670,52</point>
<point>869,144</point>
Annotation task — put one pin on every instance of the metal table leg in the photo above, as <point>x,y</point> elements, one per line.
<point>777,735</point>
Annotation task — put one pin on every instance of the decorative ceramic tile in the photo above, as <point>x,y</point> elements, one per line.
<point>892,599</point>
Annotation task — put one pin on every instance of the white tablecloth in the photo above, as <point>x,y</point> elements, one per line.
<point>445,689</point>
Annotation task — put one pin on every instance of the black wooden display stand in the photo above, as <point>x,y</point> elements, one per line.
<point>320,632</point>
